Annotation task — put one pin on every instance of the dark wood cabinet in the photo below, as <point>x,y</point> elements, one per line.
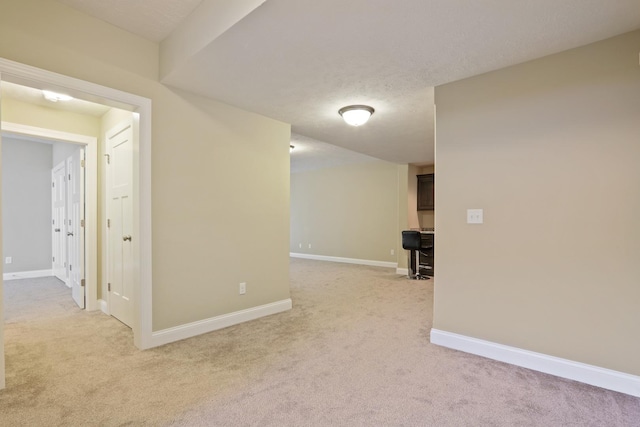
<point>426,254</point>
<point>426,192</point>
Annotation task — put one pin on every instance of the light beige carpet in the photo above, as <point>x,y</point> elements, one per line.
<point>354,351</point>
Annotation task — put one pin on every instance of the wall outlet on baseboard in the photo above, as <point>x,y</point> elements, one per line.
<point>243,288</point>
<point>300,245</point>
<point>309,245</point>
<point>8,260</point>
<point>393,251</point>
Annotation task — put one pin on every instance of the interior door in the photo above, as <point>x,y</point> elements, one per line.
<point>58,222</point>
<point>120,222</point>
<point>75,225</point>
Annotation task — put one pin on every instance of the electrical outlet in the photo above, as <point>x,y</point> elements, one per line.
<point>300,245</point>
<point>8,260</point>
<point>474,216</point>
<point>309,245</point>
<point>393,251</point>
<point>243,288</point>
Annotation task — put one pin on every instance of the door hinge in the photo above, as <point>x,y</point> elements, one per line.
<point>69,222</point>
<point>82,283</point>
<point>108,158</point>
<point>108,287</point>
<point>108,223</point>
<point>82,163</point>
<point>69,177</point>
<point>82,223</point>
<point>70,267</point>
<point>54,259</point>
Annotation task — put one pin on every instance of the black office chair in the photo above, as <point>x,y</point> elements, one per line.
<point>412,242</point>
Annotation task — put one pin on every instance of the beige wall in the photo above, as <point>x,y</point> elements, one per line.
<point>19,112</point>
<point>549,149</point>
<point>370,204</point>
<point>220,175</point>
<point>220,210</point>
<point>407,214</point>
<point>349,211</point>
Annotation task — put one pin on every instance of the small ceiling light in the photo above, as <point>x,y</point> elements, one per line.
<point>356,115</point>
<point>55,97</point>
<point>291,147</point>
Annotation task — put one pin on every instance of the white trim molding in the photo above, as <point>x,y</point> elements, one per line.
<point>345,260</point>
<point>200,327</point>
<point>403,271</point>
<point>104,307</point>
<point>27,274</point>
<point>564,368</point>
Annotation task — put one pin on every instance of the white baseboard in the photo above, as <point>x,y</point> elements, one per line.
<point>27,274</point>
<point>345,260</point>
<point>189,330</point>
<point>564,368</point>
<point>104,307</point>
<point>403,271</point>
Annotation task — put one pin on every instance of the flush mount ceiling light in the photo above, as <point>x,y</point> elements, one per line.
<point>356,115</point>
<point>291,147</point>
<point>55,97</point>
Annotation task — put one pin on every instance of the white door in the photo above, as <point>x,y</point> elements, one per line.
<point>120,222</point>
<point>75,225</point>
<point>58,222</point>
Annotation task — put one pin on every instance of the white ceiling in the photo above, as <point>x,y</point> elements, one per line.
<point>151,19</point>
<point>299,61</point>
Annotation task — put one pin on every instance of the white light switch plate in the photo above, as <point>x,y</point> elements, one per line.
<point>474,216</point>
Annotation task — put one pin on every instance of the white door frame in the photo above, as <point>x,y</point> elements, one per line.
<point>17,72</point>
<point>61,227</point>
<point>76,166</point>
<point>91,197</point>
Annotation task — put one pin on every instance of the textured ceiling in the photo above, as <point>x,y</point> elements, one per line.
<point>299,61</point>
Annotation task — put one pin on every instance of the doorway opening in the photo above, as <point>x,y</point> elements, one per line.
<point>44,209</point>
<point>140,109</point>
<point>87,267</point>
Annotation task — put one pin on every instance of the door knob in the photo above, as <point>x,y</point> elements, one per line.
<point>69,234</point>
<point>57,230</point>
<point>127,237</point>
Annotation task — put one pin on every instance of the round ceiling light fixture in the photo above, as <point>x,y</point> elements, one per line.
<point>356,115</point>
<point>291,147</point>
<point>55,97</point>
